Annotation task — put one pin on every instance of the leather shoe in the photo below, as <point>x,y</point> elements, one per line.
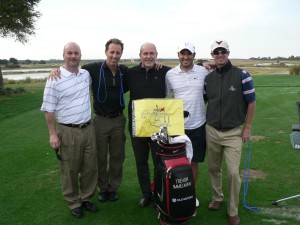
<point>144,201</point>
<point>103,196</point>
<point>77,212</point>
<point>234,220</point>
<point>215,205</point>
<point>89,206</point>
<point>113,196</point>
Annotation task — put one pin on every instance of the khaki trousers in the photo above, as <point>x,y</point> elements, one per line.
<point>79,164</point>
<point>110,139</point>
<point>226,145</point>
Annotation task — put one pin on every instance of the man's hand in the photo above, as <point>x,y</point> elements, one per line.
<point>246,135</point>
<point>54,74</point>
<point>158,65</point>
<point>209,65</point>
<point>54,141</point>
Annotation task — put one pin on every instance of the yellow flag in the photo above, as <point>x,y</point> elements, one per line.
<point>150,114</point>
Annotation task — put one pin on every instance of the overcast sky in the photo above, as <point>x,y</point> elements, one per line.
<point>253,28</point>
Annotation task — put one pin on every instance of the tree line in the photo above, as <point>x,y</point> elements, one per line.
<point>277,58</point>
<point>14,61</point>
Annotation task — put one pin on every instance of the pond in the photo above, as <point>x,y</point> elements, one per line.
<point>23,76</point>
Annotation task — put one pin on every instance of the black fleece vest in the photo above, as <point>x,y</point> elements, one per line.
<point>226,107</point>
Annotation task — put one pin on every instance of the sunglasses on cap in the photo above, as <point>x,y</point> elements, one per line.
<point>217,52</point>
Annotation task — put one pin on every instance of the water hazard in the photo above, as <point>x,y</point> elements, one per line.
<point>26,73</point>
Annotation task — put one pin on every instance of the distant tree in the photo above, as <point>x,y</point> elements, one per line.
<point>17,21</point>
<point>13,61</point>
<point>3,61</point>
<point>27,61</point>
<point>42,62</point>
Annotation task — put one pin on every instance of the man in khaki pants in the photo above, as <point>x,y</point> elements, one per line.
<point>230,96</point>
<point>67,101</point>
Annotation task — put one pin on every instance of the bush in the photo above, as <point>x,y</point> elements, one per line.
<point>295,70</point>
<point>6,91</point>
<point>9,91</point>
<point>19,90</point>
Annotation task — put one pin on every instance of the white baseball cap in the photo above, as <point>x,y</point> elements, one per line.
<point>187,45</point>
<point>219,44</point>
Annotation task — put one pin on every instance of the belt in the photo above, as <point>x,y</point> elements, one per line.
<point>81,125</point>
<point>111,115</point>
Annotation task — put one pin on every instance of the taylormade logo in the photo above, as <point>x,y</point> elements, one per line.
<point>182,199</point>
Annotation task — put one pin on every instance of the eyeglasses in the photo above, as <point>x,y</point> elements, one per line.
<point>217,52</point>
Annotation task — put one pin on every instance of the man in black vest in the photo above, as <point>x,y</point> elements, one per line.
<point>230,97</point>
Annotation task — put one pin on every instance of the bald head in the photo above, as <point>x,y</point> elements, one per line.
<point>148,55</point>
<point>148,45</point>
<point>72,56</point>
<point>71,45</point>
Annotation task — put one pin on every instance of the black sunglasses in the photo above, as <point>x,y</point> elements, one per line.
<point>217,52</point>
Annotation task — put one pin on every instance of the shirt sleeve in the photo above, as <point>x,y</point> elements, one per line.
<point>248,87</point>
<point>168,85</point>
<point>50,97</point>
<point>204,90</point>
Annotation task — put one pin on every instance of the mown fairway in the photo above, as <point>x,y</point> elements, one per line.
<point>29,172</point>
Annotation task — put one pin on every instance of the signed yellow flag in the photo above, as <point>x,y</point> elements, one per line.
<point>150,114</point>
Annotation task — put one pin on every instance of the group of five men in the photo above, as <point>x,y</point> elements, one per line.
<point>220,128</point>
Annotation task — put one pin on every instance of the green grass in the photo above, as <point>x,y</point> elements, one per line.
<point>29,172</point>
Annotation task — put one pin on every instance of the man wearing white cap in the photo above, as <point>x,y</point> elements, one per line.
<point>230,96</point>
<point>187,82</point>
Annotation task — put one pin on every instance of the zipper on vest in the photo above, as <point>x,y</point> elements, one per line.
<point>114,81</point>
<point>221,103</point>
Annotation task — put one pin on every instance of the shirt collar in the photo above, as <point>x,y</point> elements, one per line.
<point>225,68</point>
<point>143,68</point>
<point>68,73</point>
<point>178,69</point>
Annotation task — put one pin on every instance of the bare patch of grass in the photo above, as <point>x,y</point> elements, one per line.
<point>257,138</point>
<point>254,174</point>
<point>286,211</point>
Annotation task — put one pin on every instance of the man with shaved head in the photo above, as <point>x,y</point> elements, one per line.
<point>67,101</point>
<point>145,81</point>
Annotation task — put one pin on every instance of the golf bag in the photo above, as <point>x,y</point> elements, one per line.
<point>174,189</point>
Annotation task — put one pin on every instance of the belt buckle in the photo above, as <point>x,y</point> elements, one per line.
<point>81,125</point>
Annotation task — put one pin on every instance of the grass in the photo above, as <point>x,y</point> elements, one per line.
<point>29,172</point>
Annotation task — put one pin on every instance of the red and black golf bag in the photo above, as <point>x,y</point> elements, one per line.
<point>174,189</point>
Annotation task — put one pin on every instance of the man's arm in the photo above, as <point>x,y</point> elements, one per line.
<point>54,140</point>
<point>168,87</point>
<point>207,65</point>
<point>248,122</point>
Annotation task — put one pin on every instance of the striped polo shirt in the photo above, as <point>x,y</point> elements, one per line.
<point>188,86</point>
<point>69,97</point>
